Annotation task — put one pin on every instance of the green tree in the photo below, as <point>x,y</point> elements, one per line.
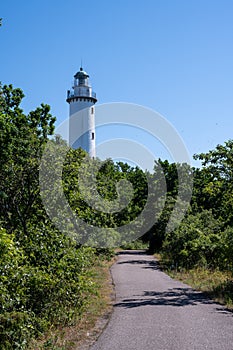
<point>104,194</point>
<point>214,182</point>
<point>22,138</point>
<point>178,181</point>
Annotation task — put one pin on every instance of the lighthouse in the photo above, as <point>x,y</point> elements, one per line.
<point>81,101</point>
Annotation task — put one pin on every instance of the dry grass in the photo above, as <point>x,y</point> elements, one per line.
<point>217,284</point>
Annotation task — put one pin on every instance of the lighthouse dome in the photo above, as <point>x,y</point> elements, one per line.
<point>81,74</point>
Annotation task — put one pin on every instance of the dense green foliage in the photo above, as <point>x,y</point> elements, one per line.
<point>101,203</point>
<point>205,236</point>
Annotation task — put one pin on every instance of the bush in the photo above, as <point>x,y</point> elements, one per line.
<point>36,293</point>
<point>197,241</point>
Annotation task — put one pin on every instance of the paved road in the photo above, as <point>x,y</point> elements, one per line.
<point>154,312</point>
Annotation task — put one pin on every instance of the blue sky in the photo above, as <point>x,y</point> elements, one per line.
<point>173,56</point>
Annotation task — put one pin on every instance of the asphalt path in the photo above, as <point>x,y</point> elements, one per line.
<point>154,312</point>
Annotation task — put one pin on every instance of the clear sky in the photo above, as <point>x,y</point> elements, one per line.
<point>173,56</point>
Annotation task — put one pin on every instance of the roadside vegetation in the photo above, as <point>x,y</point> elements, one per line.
<point>218,285</point>
<point>83,331</point>
<point>200,250</point>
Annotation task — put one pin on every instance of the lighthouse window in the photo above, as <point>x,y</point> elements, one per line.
<point>92,110</point>
<point>92,135</point>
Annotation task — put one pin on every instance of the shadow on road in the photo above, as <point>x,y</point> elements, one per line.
<point>148,264</point>
<point>172,297</point>
<point>132,252</point>
<point>225,311</point>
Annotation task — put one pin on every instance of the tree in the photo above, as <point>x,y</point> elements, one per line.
<point>205,235</point>
<point>173,195</point>
<point>214,182</point>
<point>22,139</point>
<point>104,194</point>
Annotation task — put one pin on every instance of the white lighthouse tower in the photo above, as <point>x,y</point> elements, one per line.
<point>82,113</point>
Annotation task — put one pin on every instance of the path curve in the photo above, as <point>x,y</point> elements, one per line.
<point>154,312</point>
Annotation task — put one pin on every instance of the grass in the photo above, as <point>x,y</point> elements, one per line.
<point>218,285</point>
<point>85,331</point>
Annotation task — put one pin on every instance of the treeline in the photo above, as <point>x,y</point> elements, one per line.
<point>45,274</point>
<point>205,236</point>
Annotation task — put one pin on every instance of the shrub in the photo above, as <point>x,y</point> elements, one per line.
<point>35,294</point>
<point>197,241</point>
